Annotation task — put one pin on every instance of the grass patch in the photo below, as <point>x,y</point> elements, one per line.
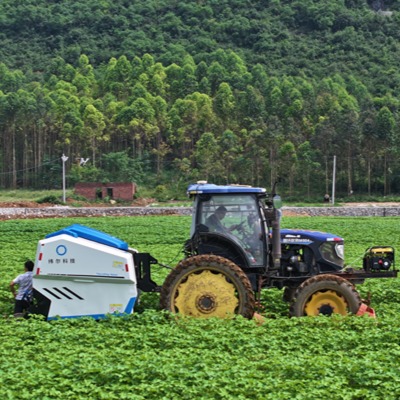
<point>30,195</point>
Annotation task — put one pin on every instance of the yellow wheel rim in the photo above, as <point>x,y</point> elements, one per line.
<point>327,302</point>
<point>206,295</point>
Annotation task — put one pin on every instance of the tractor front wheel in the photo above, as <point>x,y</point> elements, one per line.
<point>325,295</point>
<point>207,286</point>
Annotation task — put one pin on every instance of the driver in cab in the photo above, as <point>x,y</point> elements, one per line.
<point>214,221</point>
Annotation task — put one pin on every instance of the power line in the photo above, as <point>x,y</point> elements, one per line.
<point>29,169</point>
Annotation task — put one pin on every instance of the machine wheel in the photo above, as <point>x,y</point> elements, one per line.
<point>207,286</point>
<point>326,295</point>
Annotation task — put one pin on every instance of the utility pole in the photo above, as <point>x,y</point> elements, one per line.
<point>64,159</point>
<point>333,180</point>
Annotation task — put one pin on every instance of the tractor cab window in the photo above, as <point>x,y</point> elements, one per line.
<point>237,217</point>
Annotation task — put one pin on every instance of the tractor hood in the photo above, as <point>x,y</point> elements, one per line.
<point>307,237</point>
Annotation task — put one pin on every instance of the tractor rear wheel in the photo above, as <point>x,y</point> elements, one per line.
<point>325,295</point>
<point>207,286</point>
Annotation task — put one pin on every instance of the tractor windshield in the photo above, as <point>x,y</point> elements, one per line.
<point>238,217</point>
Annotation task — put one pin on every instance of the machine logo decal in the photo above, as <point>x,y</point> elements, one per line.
<point>61,250</point>
<point>296,240</point>
<point>116,308</point>
<point>118,265</point>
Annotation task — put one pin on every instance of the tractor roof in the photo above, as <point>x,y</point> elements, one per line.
<point>209,188</point>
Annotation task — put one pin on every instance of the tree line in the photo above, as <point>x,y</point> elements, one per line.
<point>164,92</point>
<point>169,124</point>
<point>314,38</point>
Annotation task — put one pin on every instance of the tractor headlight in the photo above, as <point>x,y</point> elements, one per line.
<point>333,252</point>
<point>340,250</point>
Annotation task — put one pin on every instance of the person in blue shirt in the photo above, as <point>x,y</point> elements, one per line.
<point>23,296</point>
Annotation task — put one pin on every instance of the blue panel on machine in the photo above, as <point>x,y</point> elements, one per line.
<point>94,235</point>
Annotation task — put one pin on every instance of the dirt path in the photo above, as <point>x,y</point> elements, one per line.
<point>372,204</point>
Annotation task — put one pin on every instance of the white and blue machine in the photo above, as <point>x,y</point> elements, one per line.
<point>80,271</point>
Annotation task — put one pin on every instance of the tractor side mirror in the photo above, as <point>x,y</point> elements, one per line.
<point>277,201</point>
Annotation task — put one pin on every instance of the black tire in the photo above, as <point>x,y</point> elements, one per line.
<point>288,294</point>
<point>208,286</point>
<point>325,294</point>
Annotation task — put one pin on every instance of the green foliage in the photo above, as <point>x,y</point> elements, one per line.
<point>27,195</point>
<point>52,199</point>
<point>151,355</point>
<point>88,173</point>
<point>151,92</point>
<point>161,193</point>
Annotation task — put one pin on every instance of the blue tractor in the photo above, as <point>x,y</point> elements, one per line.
<point>237,248</point>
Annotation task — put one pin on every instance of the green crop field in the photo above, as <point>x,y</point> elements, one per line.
<point>149,355</point>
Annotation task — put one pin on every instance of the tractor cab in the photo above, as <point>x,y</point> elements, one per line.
<point>229,221</point>
<point>242,224</point>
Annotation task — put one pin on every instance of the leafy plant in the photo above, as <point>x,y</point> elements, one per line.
<point>52,199</point>
<point>150,355</point>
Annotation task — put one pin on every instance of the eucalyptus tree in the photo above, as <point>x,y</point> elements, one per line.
<point>231,151</point>
<point>18,121</point>
<point>348,128</point>
<point>176,90</point>
<point>117,77</point>
<point>288,163</point>
<point>207,157</point>
<point>188,119</point>
<point>238,75</point>
<point>273,96</point>
<point>216,75</point>
<point>202,78</point>
<point>137,67</point>
<point>157,83</point>
<point>8,117</point>
<point>60,70</point>
<point>67,124</point>
<point>253,162</point>
<point>370,152</point>
<point>331,103</point>
<point>93,129</point>
<point>201,70</point>
<point>22,151</point>
<point>385,128</point>
<point>84,79</point>
<point>188,79</point>
<point>323,143</point>
<point>205,118</point>
<point>180,116</point>
<point>160,148</point>
<point>115,125</point>
<point>224,105</point>
<point>143,126</point>
<point>11,81</point>
<point>309,168</point>
<point>43,120</point>
<point>251,109</point>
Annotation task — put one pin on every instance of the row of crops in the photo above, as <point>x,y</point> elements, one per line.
<point>150,355</point>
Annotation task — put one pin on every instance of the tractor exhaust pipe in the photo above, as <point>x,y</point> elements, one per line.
<point>276,232</point>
